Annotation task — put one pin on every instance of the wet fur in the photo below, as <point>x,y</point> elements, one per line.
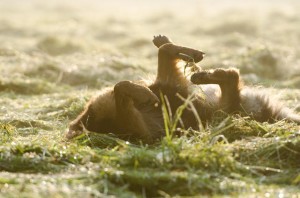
<point>133,110</point>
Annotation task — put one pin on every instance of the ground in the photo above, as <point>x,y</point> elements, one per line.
<point>55,55</point>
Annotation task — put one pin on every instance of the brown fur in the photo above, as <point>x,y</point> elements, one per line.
<point>133,110</point>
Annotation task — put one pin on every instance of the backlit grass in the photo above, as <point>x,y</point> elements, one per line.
<point>55,56</point>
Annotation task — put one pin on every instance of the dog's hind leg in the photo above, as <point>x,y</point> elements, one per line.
<point>258,105</point>
<point>229,82</point>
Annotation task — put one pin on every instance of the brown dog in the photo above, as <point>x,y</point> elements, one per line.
<point>134,110</point>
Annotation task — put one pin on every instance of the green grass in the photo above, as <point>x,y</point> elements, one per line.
<point>52,64</point>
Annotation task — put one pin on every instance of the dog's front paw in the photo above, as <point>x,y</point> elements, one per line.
<point>161,40</point>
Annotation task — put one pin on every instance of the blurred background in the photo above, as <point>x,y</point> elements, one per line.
<point>90,44</point>
<point>56,54</point>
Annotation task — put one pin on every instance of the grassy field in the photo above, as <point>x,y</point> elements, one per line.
<point>55,55</point>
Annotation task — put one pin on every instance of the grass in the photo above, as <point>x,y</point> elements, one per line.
<point>52,64</point>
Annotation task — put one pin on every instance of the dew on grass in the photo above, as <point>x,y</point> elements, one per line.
<point>55,55</point>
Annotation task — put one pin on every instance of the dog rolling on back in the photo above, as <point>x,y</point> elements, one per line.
<point>134,110</point>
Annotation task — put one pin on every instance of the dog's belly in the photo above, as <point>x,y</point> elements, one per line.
<point>212,94</point>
